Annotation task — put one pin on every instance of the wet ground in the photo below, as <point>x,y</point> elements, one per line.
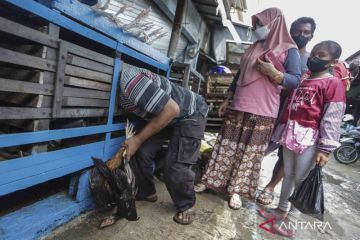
<point>214,219</point>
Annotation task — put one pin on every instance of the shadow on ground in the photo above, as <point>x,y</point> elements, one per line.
<point>214,219</point>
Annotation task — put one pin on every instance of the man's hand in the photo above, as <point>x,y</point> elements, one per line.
<point>132,145</point>
<point>157,123</point>
<point>322,158</point>
<point>269,70</point>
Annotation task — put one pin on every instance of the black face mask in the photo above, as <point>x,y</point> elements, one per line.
<point>300,40</point>
<point>316,64</point>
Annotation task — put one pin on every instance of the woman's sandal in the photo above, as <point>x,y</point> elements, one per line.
<point>108,221</point>
<point>266,214</point>
<point>272,213</point>
<point>185,217</point>
<point>235,202</point>
<point>199,188</point>
<point>277,227</point>
<point>265,197</point>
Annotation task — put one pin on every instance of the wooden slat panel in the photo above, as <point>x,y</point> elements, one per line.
<point>89,74</point>
<point>59,79</point>
<point>7,113</point>
<point>78,113</point>
<point>13,57</point>
<point>26,100</point>
<point>24,113</point>
<point>84,102</point>
<point>9,85</point>
<point>18,74</point>
<point>87,53</point>
<point>23,124</point>
<point>85,93</point>
<point>89,64</point>
<point>84,83</point>
<point>27,33</point>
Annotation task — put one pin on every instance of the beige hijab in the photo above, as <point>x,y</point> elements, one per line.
<point>278,40</point>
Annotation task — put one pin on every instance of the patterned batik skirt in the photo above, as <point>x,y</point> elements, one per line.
<point>235,163</point>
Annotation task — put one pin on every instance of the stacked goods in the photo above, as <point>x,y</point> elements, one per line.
<point>216,92</point>
<point>183,75</point>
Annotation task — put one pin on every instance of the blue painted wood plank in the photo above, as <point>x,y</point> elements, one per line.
<point>83,192</point>
<point>52,163</point>
<point>41,158</point>
<point>39,219</point>
<point>88,16</point>
<point>36,159</point>
<point>114,86</point>
<point>141,57</point>
<point>112,151</point>
<point>46,176</point>
<point>57,164</point>
<point>114,146</point>
<point>117,141</point>
<point>113,99</point>
<point>8,140</point>
<point>43,164</point>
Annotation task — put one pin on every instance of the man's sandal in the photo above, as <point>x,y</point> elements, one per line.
<point>185,218</point>
<point>152,198</point>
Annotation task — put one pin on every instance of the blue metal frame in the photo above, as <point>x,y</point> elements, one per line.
<point>24,172</point>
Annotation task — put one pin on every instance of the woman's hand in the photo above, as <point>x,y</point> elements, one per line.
<point>269,70</point>
<point>322,158</point>
<point>223,108</point>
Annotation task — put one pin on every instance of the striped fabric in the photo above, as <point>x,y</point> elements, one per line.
<point>330,126</point>
<point>145,94</point>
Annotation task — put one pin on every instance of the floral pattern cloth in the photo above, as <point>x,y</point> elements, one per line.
<point>235,164</point>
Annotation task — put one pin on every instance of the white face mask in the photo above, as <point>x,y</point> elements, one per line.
<point>261,32</point>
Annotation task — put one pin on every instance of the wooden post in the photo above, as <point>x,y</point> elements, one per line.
<point>186,78</point>
<point>59,79</point>
<point>176,29</point>
<point>47,78</point>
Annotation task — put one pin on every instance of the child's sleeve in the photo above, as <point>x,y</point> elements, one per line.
<point>333,112</point>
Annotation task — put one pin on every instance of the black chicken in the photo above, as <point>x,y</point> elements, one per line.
<point>113,185</point>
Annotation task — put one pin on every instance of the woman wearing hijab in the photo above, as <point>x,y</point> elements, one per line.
<point>255,97</point>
